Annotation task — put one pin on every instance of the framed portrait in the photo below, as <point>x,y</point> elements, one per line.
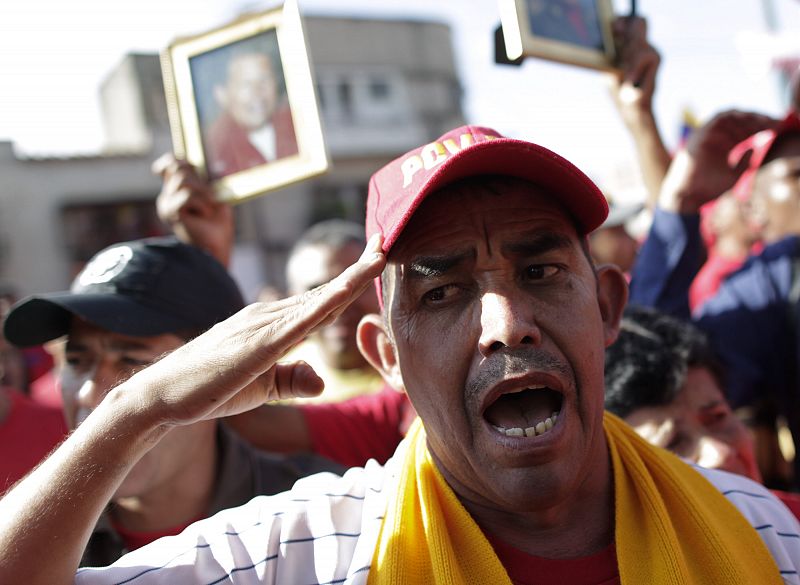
<point>576,32</point>
<point>242,104</point>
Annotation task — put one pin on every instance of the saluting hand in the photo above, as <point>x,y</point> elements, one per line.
<point>234,366</point>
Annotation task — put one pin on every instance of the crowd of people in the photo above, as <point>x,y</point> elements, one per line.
<point>491,381</point>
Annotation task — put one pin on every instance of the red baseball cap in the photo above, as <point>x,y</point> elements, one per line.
<point>398,189</point>
<point>759,145</point>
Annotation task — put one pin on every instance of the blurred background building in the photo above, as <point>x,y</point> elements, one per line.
<point>392,86</point>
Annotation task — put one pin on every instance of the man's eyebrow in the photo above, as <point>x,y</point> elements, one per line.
<point>433,266</point>
<point>538,243</point>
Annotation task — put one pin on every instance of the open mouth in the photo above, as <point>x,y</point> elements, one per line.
<point>528,412</point>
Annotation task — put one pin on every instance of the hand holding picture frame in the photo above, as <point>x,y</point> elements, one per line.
<point>576,32</point>
<point>242,104</point>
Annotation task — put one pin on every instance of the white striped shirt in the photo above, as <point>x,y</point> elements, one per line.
<point>325,530</point>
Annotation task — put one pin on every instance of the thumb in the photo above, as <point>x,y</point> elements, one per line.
<point>296,380</point>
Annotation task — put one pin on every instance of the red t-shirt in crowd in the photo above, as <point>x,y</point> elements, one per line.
<point>790,499</point>
<point>708,280</point>
<point>134,539</point>
<point>524,569</point>
<point>362,428</point>
<point>27,434</point>
<point>46,390</point>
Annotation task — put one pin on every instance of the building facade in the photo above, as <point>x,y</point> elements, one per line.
<point>383,87</point>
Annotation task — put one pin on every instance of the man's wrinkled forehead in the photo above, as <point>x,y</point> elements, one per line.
<point>450,207</point>
<point>465,203</point>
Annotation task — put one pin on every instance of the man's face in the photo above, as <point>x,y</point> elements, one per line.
<point>97,360</point>
<point>494,313</point>
<point>699,426</point>
<point>313,266</point>
<point>776,195</point>
<point>250,94</point>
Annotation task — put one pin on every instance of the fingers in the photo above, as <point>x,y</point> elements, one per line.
<point>183,191</point>
<point>162,163</point>
<point>327,302</point>
<point>286,322</point>
<point>638,60</point>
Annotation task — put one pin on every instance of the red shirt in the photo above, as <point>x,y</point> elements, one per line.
<point>524,569</point>
<point>790,499</point>
<point>27,435</point>
<point>134,539</point>
<point>362,428</point>
<point>708,280</point>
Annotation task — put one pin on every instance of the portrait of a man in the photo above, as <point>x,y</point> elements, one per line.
<point>243,109</point>
<point>575,22</point>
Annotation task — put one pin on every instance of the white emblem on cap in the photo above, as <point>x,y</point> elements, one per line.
<point>105,266</point>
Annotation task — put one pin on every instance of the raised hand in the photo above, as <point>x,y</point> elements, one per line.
<point>701,171</point>
<point>634,84</point>
<point>234,366</point>
<point>188,204</point>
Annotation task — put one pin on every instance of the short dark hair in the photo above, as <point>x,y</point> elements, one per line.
<point>648,363</point>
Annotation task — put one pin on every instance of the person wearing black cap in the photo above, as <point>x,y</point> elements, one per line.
<point>131,304</point>
<point>494,321</point>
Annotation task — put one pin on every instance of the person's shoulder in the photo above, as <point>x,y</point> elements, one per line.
<point>742,490</point>
<point>775,524</point>
<point>323,530</point>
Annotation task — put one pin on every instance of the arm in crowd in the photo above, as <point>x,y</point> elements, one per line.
<point>674,250</point>
<point>633,88</point>
<point>188,204</point>
<point>349,432</point>
<point>229,369</point>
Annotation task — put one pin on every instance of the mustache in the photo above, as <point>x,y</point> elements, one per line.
<point>516,361</point>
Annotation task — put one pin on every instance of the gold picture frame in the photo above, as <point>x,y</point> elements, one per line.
<point>242,105</point>
<point>575,32</point>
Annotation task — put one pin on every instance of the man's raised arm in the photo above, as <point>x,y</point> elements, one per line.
<point>227,370</point>
<point>701,172</point>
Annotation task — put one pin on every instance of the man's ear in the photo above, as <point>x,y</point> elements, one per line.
<point>377,348</point>
<point>612,296</point>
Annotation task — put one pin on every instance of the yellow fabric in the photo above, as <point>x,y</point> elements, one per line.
<point>672,526</point>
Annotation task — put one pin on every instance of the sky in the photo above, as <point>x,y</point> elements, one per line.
<point>715,55</point>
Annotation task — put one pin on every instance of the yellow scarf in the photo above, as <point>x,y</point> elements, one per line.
<point>672,526</point>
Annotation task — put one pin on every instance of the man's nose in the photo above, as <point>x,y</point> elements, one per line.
<point>507,320</point>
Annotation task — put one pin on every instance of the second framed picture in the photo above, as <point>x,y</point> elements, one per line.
<point>242,104</point>
<point>576,32</point>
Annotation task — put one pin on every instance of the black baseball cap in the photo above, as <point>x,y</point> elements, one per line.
<point>140,288</point>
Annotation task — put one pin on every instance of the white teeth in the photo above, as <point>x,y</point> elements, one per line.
<point>536,387</point>
<point>538,429</point>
